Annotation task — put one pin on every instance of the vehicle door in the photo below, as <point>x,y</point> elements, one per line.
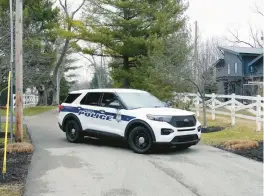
<point>89,110</point>
<point>112,108</point>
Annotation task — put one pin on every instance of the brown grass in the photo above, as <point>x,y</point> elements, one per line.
<point>10,190</point>
<point>240,144</point>
<point>20,147</point>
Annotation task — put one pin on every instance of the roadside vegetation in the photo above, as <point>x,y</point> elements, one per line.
<point>243,130</point>
<point>241,139</point>
<point>32,110</point>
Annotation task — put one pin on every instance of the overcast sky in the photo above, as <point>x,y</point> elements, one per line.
<point>215,18</point>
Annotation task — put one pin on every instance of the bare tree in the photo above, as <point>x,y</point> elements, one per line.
<point>80,85</point>
<point>255,34</point>
<point>64,46</point>
<point>181,74</point>
<point>100,69</point>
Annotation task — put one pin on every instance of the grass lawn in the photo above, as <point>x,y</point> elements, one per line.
<point>33,110</point>
<point>25,135</point>
<point>243,130</point>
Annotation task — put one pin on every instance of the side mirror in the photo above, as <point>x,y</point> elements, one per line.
<point>119,107</point>
<point>116,105</point>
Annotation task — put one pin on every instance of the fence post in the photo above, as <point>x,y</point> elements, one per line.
<point>184,101</point>
<point>197,105</point>
<point>213,106</point>
<point>233,109</point>
<point>14,102</point>
<point>258,115</point>
<point>36,100</point>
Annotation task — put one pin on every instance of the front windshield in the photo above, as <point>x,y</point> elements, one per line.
<point>135,100</point>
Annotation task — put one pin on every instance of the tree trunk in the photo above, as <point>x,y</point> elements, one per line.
<point>54,96</point>
<point>98,77</point>
<point>126,69</point>
<point>42,94</point>
<point>204,112</point>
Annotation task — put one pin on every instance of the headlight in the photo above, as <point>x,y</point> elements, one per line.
<point>159,118</point>
<point>199,129</point>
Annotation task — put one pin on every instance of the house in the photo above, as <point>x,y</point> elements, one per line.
<point>240,71</point>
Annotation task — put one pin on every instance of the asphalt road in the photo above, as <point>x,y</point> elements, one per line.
<point>108,168</point>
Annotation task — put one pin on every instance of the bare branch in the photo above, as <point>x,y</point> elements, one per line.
<point>255,37</point>
<point>64,6</point>
<point>80,6</point>
<point>238,40</point>
<point>258,11</point>
<point>86,57</point>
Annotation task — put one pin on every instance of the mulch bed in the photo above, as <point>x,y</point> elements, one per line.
<point>212,129</point>
<point>254,153</point>
<point>16,167</point>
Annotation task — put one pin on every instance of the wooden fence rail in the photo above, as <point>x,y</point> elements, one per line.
<point>246,107</point>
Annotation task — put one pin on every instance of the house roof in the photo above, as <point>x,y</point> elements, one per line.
<point>255,60</point>
<point>218,62</point>
<point>242,50</point>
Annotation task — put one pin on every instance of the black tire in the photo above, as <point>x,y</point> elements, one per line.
<point>135,139</point>
<point>76,136</point>
<point>183,146</point>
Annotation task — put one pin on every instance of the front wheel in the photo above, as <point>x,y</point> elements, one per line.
<point>140,140</point>
<point>73,132</point>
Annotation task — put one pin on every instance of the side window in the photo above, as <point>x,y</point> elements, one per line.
<point>71,97</point>
<point>91,99</point>
<point>110,100</point>
<point>251,69</point>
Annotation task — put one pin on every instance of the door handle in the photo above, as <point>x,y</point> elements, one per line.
<point>101,111</point>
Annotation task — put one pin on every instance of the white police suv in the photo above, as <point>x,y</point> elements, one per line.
<point>135,115</point>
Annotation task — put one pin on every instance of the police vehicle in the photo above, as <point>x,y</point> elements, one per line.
<point>135,115</point>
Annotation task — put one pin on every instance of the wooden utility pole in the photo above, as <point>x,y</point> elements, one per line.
<point>195,68</point>
<point>11,67</point>
<point>19,71</point>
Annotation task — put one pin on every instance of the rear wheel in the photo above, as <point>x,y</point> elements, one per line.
<point>140,140</point>
<point>73,132</point>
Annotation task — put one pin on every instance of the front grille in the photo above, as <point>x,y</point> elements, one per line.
<point>183,121</point>
<point>186,130</point>
<point>184,139</point>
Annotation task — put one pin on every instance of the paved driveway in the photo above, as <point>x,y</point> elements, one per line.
<point>107,168</point>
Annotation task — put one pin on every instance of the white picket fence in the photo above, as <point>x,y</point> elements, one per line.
<point>235,106</point>
<point>28,100</point>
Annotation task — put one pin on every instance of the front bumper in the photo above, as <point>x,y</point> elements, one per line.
<point>187,135</point>
<point>185,139</point>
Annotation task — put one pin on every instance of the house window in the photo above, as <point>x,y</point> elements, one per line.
<point>251,69</point>
<point>235,67</point>
<point>228,69</point>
